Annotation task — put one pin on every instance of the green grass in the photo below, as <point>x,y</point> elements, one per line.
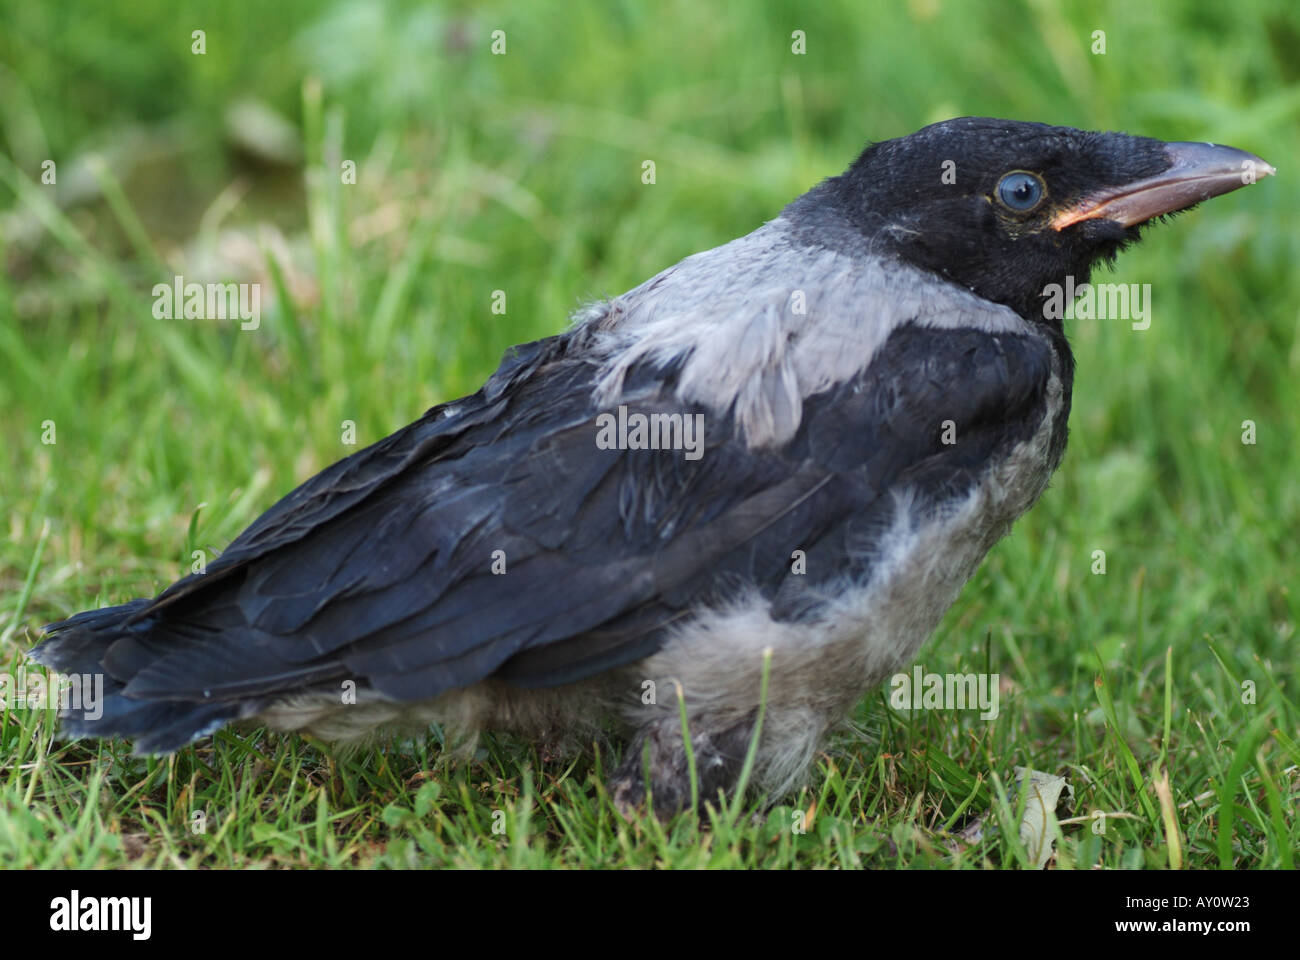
<point>522,173</point>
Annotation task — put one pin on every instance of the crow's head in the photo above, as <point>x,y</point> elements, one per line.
<point>1006,208</point>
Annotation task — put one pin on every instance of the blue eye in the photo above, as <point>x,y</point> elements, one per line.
<point>1020,191</point>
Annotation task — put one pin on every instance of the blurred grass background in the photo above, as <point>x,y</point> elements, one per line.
<point>522,173</point>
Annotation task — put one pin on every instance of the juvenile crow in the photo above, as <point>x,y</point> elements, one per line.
<point>803,441</point>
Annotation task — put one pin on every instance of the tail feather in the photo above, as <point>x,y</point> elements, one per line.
<point>82,644</point>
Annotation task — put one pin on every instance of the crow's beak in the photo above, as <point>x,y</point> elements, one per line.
<point>1197,171</point>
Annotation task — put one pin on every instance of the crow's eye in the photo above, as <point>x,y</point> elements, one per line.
<point>1020,191</point>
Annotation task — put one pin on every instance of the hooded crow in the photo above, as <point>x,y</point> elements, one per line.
<point>755,482</point>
